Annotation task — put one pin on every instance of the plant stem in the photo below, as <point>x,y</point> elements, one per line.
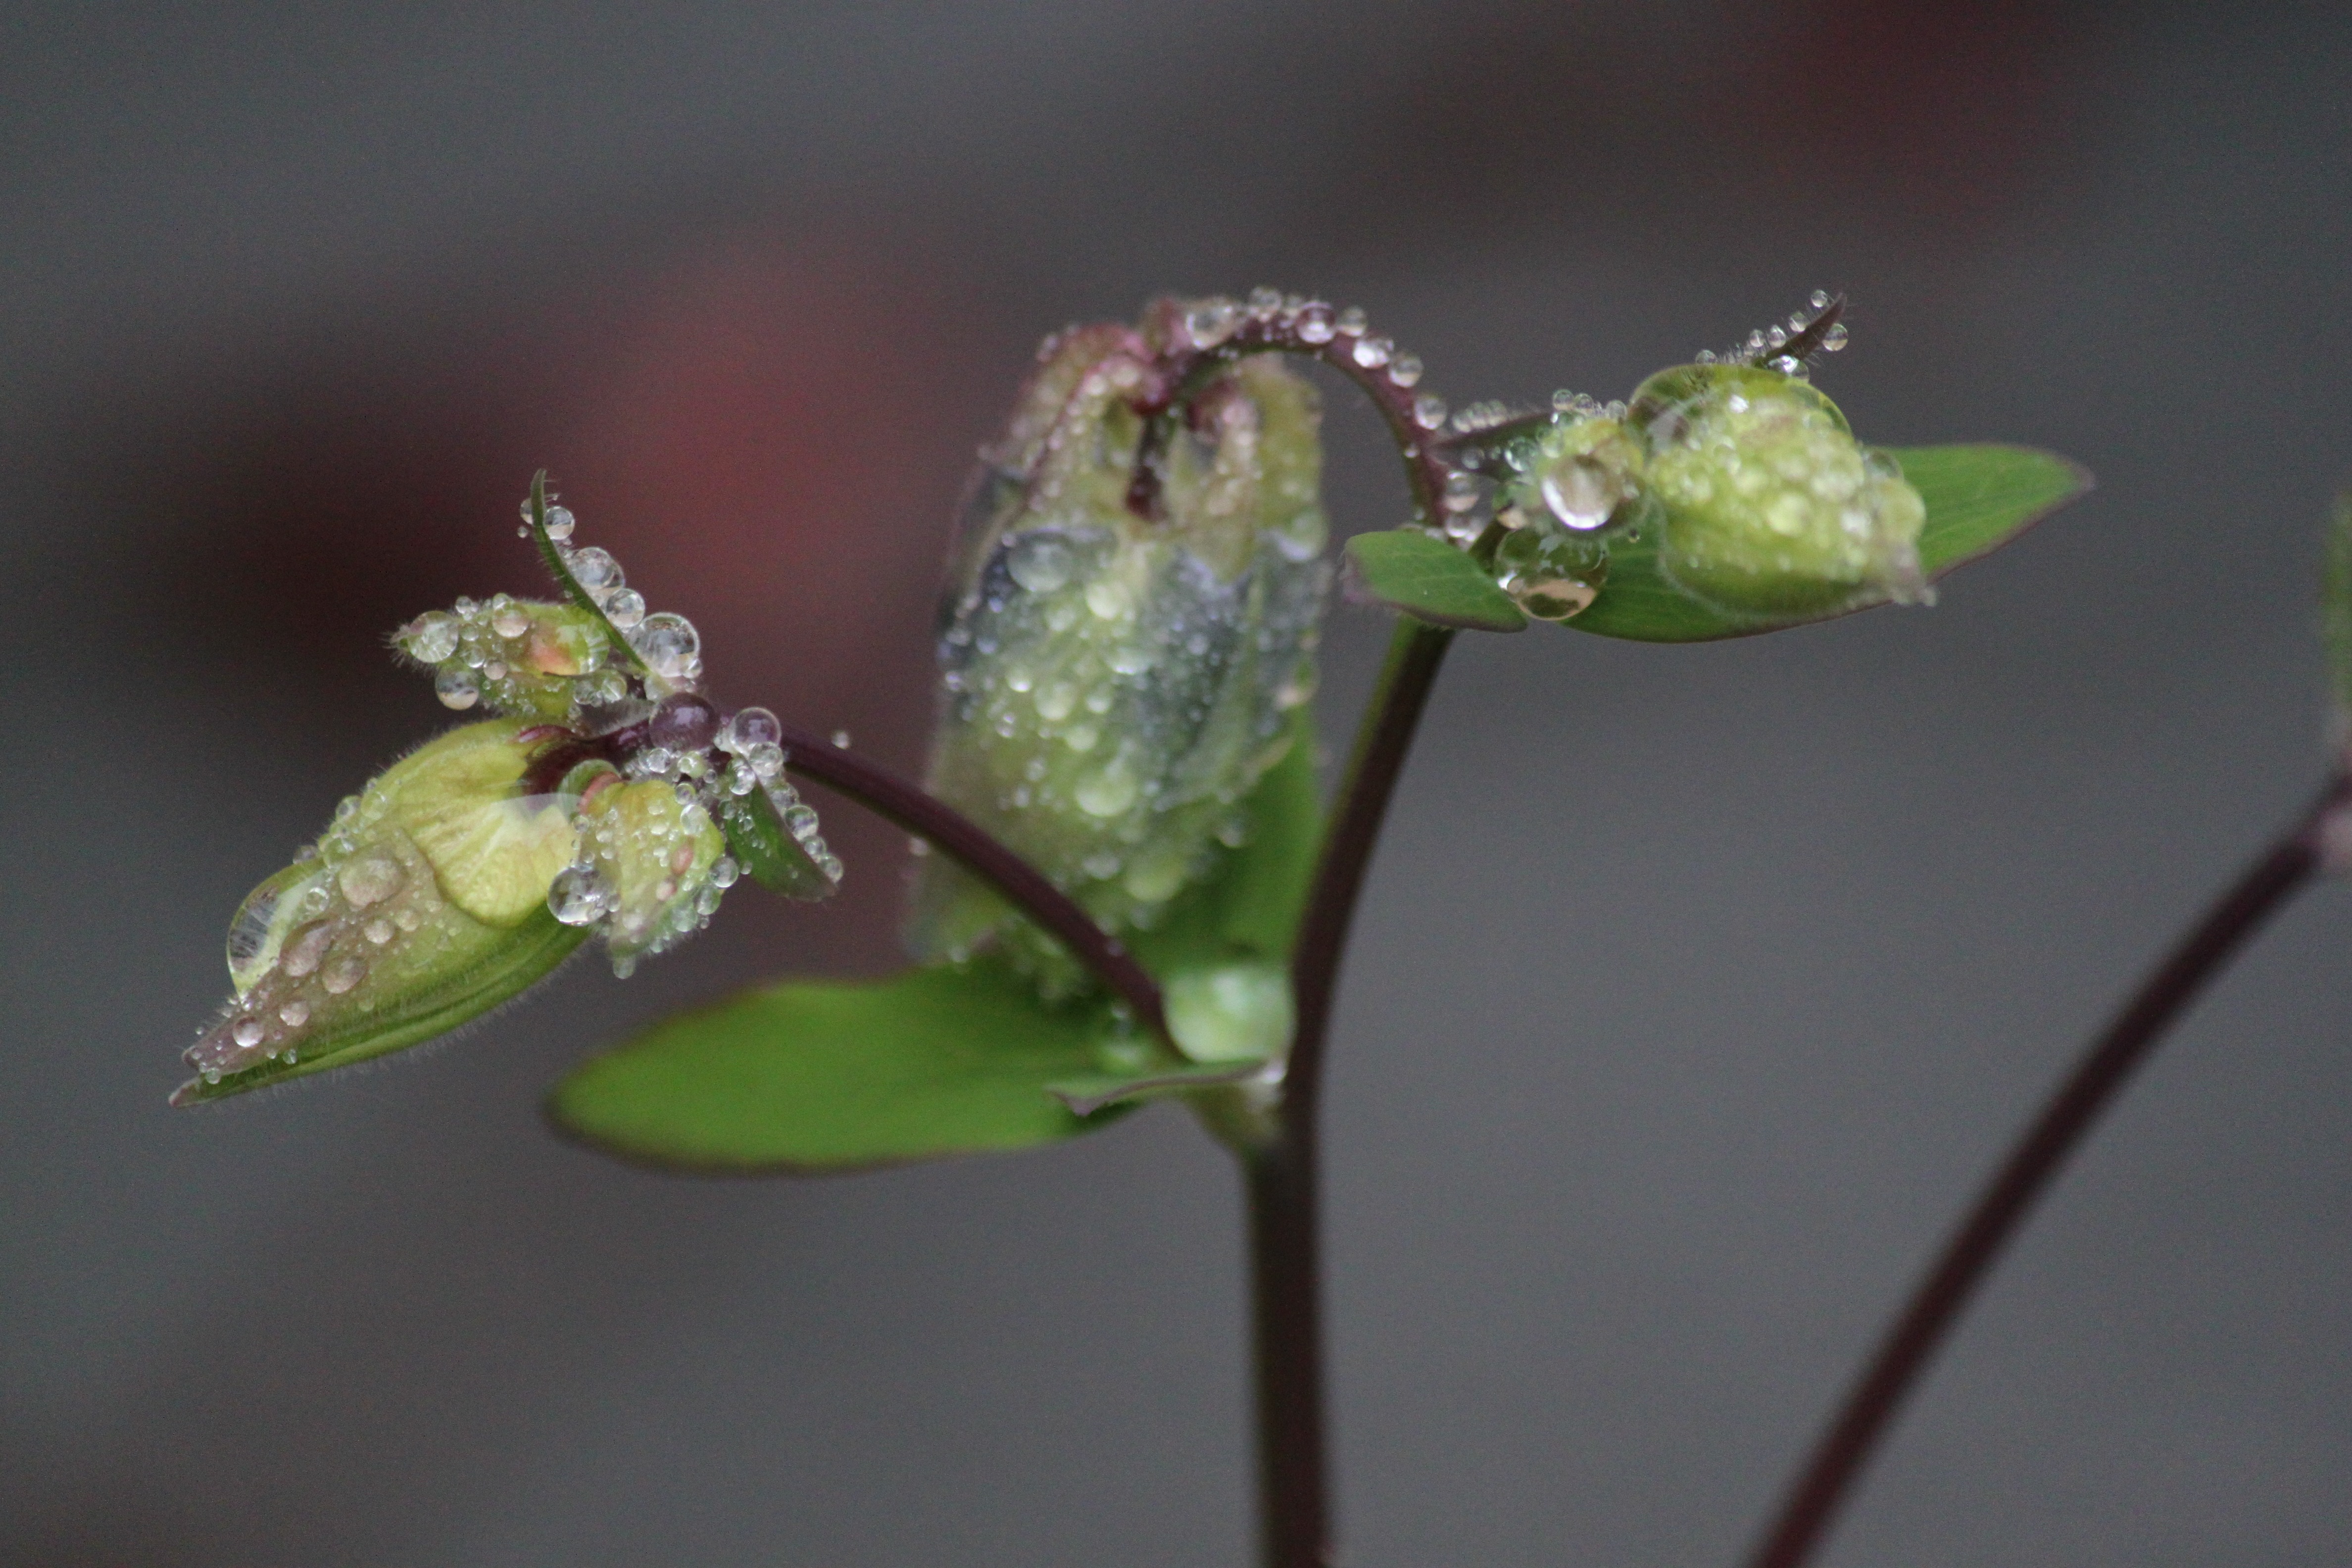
<point>1416,650</point>
<point>1283,1176</point>
<point>1910,1342</point>
<point>916,810</point>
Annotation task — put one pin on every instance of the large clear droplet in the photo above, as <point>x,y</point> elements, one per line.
<point>595,570</point>
<point>456,688</point>
<point>431,638</point>
<point>578,896</point>
<point>669,644</point>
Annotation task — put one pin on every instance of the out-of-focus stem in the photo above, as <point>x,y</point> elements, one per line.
<point>2034,1162</point>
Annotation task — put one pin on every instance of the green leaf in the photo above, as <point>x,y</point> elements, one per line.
<point>1979,498</point>
<point>1252,903</point>
<point>834,1077</point>
<point>1091,1093</point>
<point>757,837</point>
<point>1429,580</point>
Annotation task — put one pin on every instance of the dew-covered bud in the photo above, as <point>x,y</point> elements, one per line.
<point>1118,661</point>
<point>1766,504</point>
<point>423,905</point>
<point>644,874</point>
<point>512,656</point>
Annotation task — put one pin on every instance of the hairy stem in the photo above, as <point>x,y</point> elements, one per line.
<point>910,806</point>
<point>1286,1241</point>
<point>1813,1499</point>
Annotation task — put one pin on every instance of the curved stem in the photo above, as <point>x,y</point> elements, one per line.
<point>910,806</point>
<point>1837,1459</point>
<point>1285,332</point>
<point>1283,1175</point>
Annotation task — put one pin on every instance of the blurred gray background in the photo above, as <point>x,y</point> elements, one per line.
<point>1695,987</point>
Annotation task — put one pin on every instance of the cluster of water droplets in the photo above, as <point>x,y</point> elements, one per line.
<point>1212,323</point>
<point>665,642</point>
<point>337,933</point>
<point>556,662</point>
<point>516,656</point>
<point>1765,345</point>
<point>653,862</point>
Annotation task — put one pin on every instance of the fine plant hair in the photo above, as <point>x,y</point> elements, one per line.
<point>1130,887</point>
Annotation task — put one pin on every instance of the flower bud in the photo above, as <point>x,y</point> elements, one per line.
<point>423,905</point>
<point>1113,684</point>
<point>1768,505</point>
<point>515,656</point>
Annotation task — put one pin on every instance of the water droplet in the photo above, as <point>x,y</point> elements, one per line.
<point>296,1012</point>
<point>756,726</point>
<point>1040,562</point>
<point>1821,299</point>
<point>246,1031</point>
<point>841,740</point>
<point>431,638</point>
<point>578,896</point>
<point>596,572</point>
<point>767,759</point>
<point>1211,323</point>
<point>1429,411</point>
<point>1351,320</point>
<point>559,522</point>
<point>1404,370</point>
<point>800,821</point>
<point>667,642</point>
<point>507,618</point>
<point>1107,793</point>
<point>1581,495</point>
<point>369,881</point>
<point>379,930</point>
<point>1372,351</point>
<point>456,688</point>
<point>1834,338</point>
<point>1314,323</point>
<point>343,974</point>
<point>625,609</point>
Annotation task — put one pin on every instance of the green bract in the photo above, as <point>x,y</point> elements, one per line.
<point>1116,665</point>
<point>1766,502</point>
<point>424,904</point>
